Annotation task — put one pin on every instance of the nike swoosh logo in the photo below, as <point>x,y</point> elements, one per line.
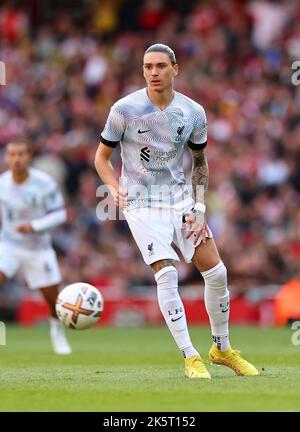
<point>225,310</point>
<point>176,319</point>
<point>139,131</point>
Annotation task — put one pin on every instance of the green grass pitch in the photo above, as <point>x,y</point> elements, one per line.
<point>140,369</point>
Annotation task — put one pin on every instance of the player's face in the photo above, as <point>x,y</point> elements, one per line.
<point>159,72</point>
<point>18,157</point>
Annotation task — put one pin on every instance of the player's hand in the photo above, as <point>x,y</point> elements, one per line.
<point>195,224</point>
<point>25,229</point>
<point>120,198</point>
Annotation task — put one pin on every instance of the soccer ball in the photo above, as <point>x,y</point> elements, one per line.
<point>79,305</point>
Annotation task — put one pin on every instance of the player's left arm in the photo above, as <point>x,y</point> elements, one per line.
<point>195,221</point>
<point>200,174</point>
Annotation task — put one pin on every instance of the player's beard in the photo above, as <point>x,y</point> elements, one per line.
<point>20,173</point>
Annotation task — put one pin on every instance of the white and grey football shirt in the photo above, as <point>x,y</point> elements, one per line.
<point>152,146</point>
<point>29,201</point>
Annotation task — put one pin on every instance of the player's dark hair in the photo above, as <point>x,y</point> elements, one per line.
<point>21,140</point>
<point>163,49</point>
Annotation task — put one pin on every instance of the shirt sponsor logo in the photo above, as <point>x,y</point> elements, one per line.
<point>145,154</point>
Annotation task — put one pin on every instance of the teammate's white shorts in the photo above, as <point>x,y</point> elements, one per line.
<point>39,267</point>
<point>155,229</point>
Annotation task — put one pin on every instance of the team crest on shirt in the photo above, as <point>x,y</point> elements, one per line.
<point>180,130</point>
<point>150,249</point>
<point>47,268</point>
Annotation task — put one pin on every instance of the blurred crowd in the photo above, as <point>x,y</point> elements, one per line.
<point>235,57</point>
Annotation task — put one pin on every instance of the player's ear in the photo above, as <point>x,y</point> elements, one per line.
<point>144,73</point>
<point>175,69</point>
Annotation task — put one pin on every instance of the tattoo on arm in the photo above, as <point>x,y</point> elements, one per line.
<point>199,175</point>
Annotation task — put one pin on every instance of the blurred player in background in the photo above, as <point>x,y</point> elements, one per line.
<point>154,125</point>
<point>31,204</point>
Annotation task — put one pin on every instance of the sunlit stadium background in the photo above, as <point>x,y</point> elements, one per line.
<point>68,61</point>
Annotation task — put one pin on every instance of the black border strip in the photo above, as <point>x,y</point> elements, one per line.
<point>111,144</point>
<point>194,146</point>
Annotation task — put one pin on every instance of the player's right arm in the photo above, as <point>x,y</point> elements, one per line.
<point>110,138</point>
<point>108,175</point>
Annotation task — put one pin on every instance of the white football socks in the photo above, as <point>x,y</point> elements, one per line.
<point>59,341</point>
<point>172,309</point>
<point>216,297</point>
<point>221,342</point>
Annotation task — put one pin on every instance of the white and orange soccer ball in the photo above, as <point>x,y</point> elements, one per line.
<point>79,305</point>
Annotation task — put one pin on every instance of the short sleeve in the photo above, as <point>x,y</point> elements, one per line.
<point>198,137</point>
<point>114,128</point>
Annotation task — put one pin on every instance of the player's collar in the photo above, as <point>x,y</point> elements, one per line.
<point>156,106</point>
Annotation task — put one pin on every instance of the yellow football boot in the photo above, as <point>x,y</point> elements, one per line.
<point>232,359</point>
<point>195,368</point>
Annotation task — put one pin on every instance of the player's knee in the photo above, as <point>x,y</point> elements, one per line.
<point>167,278</point>
<point>216,277</point>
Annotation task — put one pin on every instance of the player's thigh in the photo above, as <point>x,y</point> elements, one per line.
<point>9,262</point>
<point>159,265</point>
<point>186,246</point>
<point>153,234</point>
<point>206,255</point>
<point>40,268</point>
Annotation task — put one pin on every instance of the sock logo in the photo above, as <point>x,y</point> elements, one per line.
<point>176,312</point>
<point>176,319</point>
<point>225,307</point>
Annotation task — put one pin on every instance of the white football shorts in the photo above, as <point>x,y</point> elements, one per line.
<point>39,267</point>
<point>154,231</point>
